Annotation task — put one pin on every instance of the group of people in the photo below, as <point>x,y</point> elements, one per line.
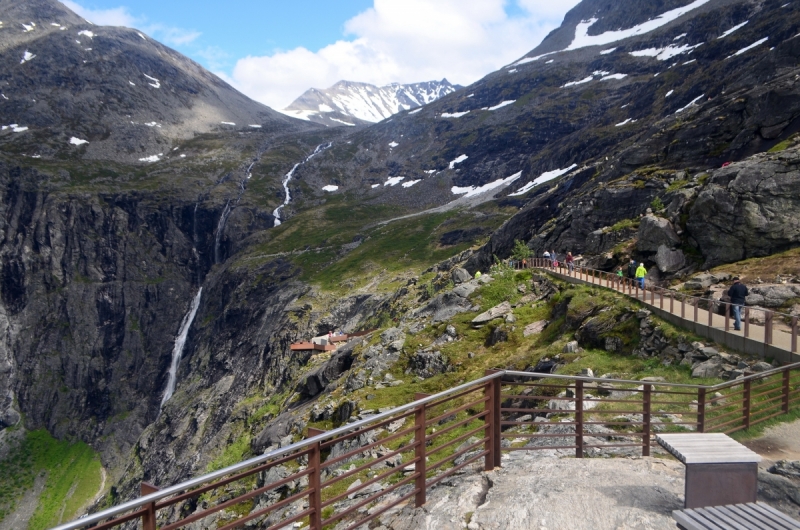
<point>569,260</point>
<point>636,272</point>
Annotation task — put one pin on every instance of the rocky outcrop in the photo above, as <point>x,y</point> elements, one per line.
<point>654,233</point>
<point>747,209</point>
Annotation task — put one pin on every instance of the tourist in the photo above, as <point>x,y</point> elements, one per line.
<point>570,261</point>
<point>553,259</point>
<point>641,272</point>
<point>632,269</point>
<point>738,294</point>
<point>547,256</point>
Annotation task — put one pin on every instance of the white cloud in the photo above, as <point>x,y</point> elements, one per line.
<point>121,16</point>
<point>118,16</point>
<point>406,41</point>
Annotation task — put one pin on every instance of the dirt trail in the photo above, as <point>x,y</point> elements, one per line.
<point>781,442</point>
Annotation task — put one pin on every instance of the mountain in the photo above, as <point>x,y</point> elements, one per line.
<point>74,89</point>
<point>630,106</point>
<point>348,103</point>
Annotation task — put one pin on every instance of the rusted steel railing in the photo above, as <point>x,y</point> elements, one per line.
<point>352,475</point>
<point>764,322</point>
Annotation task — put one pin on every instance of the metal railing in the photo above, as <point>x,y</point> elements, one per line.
<point>758,324</point>
<point>356,473</point>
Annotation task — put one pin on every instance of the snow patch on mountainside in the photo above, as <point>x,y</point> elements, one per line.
<point>544,177</point>
<point>472,191</point>
<point>458,161</point>
<point>583,39</point>
<point>664,54</point>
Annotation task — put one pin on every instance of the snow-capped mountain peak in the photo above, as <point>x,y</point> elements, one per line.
<point>352,103</point>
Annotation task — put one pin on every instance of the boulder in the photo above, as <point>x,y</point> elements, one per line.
<point>460,276</point>
<point>786,468</point>
<point>392,335</point>
<point>427,364</point>
<point>772,295</point>
<point>669,260</point>
<point>655,232</point>
<point>498,335</point>
<point>571,347</point>
<point>446,305</point>
<point>535,328</point>
<point>498,311</point>
<point>761,366</point>
<point>712,368</point>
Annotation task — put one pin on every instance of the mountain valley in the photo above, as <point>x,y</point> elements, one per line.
<point>132,178</point>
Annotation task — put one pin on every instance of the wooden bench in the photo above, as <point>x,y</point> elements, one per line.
<point>757,516</point>
<point>719,470</point>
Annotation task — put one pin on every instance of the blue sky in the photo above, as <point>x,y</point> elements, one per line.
<point>275,50</point>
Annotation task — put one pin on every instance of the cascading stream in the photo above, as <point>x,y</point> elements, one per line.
<point>220,227</point>
<point>177,349</point>
<point>288,177</point>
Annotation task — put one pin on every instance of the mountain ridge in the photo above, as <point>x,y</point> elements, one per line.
<point>350,103</point>
<point>108,92</point>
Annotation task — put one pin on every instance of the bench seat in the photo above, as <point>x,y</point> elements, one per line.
<point>719,470</point>
<point>751,516</point>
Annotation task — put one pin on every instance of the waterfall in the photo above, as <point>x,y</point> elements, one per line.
<point>286,179</point>
<point>277,213</point>
<point>220,227</point>
<point>177,349</point>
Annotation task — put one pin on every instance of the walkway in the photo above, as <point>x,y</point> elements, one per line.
<point>768,334</point>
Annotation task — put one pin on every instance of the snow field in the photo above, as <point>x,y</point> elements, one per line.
<point>544,177</point>
<point>748,48</point>
<point>458,160</point>
<point>14,128</point>
<point>454,114</point>
<point>583,39</point>
<point>471,191</point>
<point>503,104</point>
<point>330,188</point>
<point>77,141</point>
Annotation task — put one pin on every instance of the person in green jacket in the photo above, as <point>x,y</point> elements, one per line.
<point>641,272</point>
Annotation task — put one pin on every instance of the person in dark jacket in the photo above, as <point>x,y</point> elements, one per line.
<point>738,293</point>
<point>632,269</point>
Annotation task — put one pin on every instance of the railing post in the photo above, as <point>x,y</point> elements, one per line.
<point>495,418</point>
<point>419,453</point>
<point>794,334</point>
<point>661,298</point>
<point>652,296</point>
<point>578,419</point>
<point>683,307</point>
<point>786,390</point>
<point>746,404</point>
<point>746,322</point>
<point>710,313</point>
<point>671,304</point>
<point>701,409</point>
<point>727,317</point>
<point>315,481</point>
<point>149,517</point>
<point>696,304</point>
<point>768,327</point>
<point>646,399</point>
